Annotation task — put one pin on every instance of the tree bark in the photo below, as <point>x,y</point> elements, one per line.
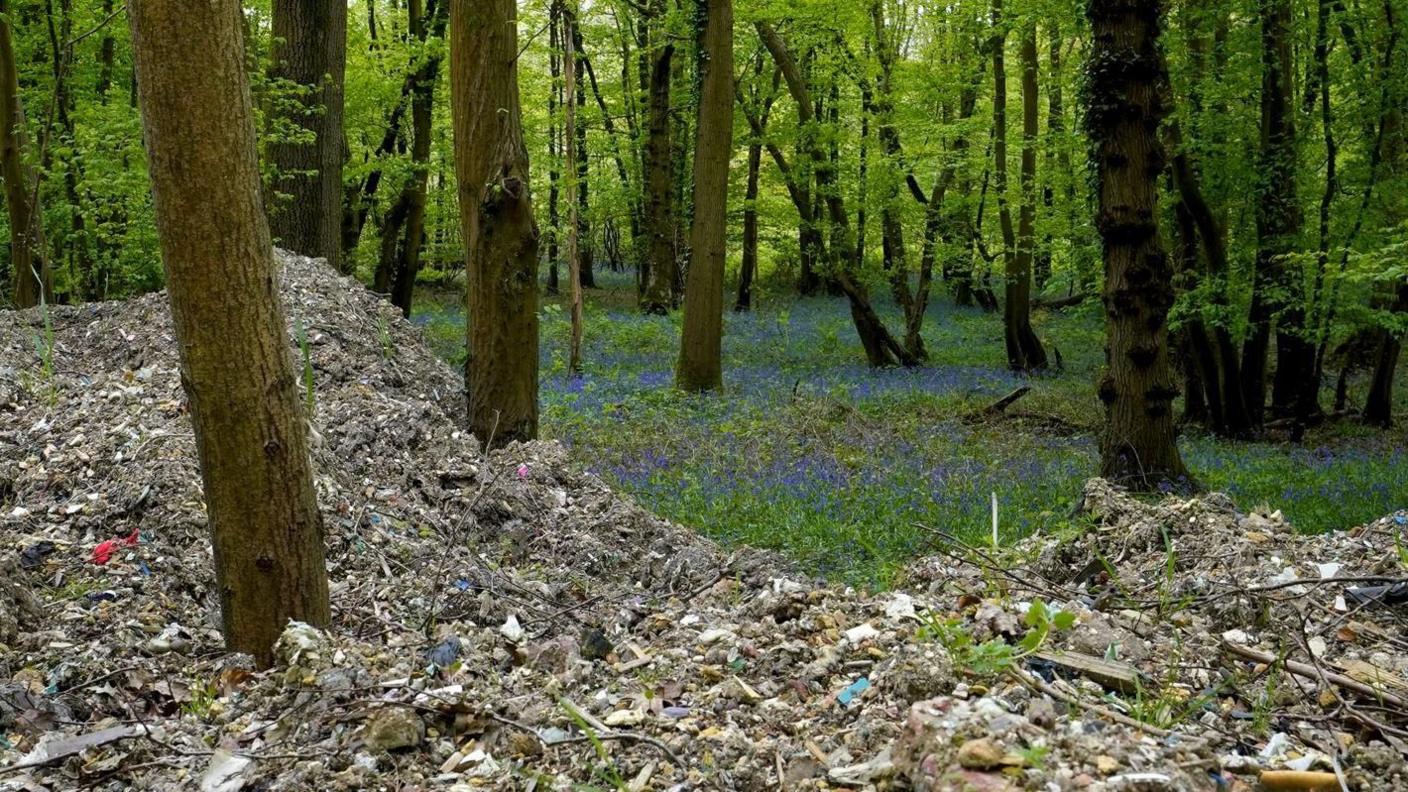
<point>1278,298</point>
<point>496,215</point>
<point>358,198</point>
<point>659,222</point>
<point>107,55</point>
<point>585,252</point>
<point>236,366</point>
<point>1024,349</point>
<point>1217,352</point>
<point>632,195</point>
<point>414,194</point>
<point>891,230</point>
<point>29,260</point>
<point>1378,407</point>
<point>749,266</point>
<point>1126,78</point>
<point>576,183</point>
<point>310,49</point>
<point>554,130</point>
<point>701,341</point>
<point>940,221</point>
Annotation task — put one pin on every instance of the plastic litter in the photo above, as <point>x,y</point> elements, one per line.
<point>853,690</point>
<point>445,652</point>
<point>103,551</point>
<point>33,555</point>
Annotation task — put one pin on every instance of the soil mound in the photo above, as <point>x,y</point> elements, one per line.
<point>504,621</point>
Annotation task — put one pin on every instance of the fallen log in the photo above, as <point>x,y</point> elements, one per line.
<point>997,407</point>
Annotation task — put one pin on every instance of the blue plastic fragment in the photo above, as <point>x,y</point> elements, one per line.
<point>144,569</point>
<point>1401,519</point>
<point>445,652</point>
<point>854,689</point>
<point>675,712</point>
<point>462,584</point>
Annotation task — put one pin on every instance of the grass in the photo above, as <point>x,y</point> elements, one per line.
<point>851,471</point>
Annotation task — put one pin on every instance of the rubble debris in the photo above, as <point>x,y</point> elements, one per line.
<point>503,620</point>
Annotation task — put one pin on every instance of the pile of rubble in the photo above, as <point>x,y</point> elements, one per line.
<point>504,621</point>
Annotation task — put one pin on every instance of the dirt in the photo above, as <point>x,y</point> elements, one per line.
<point>505,621</point>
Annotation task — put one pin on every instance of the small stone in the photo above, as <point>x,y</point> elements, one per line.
<point>861,632</point>
<point>1106,764</point>
<point>900,607</point>
<point>392,728</point>
<point>595,645</point>
<point>300,641</point>
<point>714,635</point>
<point>625,717</point>
<point>511,629</point>
<point>980,754</point>
<point>1042,712</point>
<point>745,692</point>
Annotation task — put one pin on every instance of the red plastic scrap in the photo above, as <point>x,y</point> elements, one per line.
<point>102,553</point>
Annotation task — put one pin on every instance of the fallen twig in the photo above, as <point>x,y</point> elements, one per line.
<point>1105,712</point>
<point>997,407</point>
<point>600,736</point>
<point>1310,672</point>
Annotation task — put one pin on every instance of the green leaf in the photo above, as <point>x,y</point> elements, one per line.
<point>1036,614</point>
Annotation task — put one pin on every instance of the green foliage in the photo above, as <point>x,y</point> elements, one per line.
<point>605,769</point>
<point>309,396</point>
<point>995,657</point>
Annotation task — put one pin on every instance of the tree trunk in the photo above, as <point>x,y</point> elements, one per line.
<point>79,253</point>
<point>1024,349</point>
<point>310,48</point>
<point>632,196</point>
<point>586,274</point>
<point>573,162</point>
<point>1378,407</point>
<point>496,215</point>
<point>554,130</point>
<point>1055,130</point>
<point>1324,304</point>
<point>891,230</point>
<point>236,366</point>
<point>1126,76</point>
<point>29,260</point>
<point>1278,296</point>
<point>940,221</point>
<point>107,54</point>
<point>659,222</point>
<point>749,266</point>
<point>681,167</point>
<point>1236,420</point>
<point>701,341</point>
<point>422,113</point>
<point>881,348</point>
<point>358,198</point>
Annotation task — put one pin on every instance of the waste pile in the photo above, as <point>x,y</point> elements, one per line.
<point>506,621</point>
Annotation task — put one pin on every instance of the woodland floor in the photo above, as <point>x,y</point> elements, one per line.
<point>842,468</point>
<point>507,622</point>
